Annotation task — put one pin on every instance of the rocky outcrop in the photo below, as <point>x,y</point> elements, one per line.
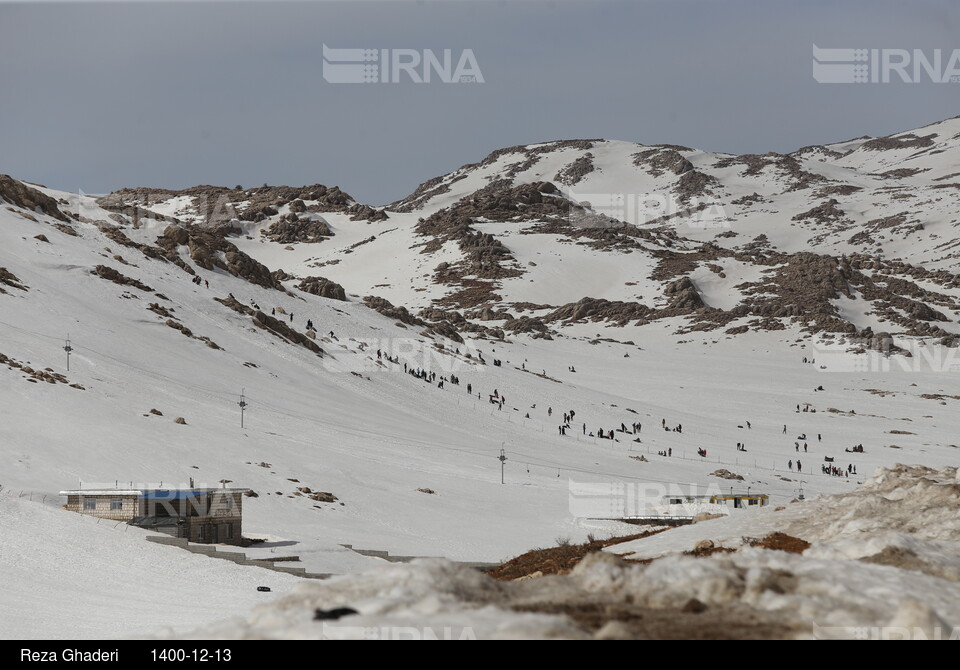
<point>488,313</point>
<point>19,194</point>
<point>598,309</point>
<point>786,166</point>
<point>444,329</point>
<point>116,277</point>
<point>693,184</point>
<point>905,141</point>
<point>424,192</point>
<point>683,295</point>
<point>322,287</point>
<point>168,254</point>
<point>270,324</point>
<point>206,248</point>
<point>443,323</point>
<point>526,324</point>
<point>218,205</point>
<point>360,212</point>
<point>387,308</point>
<point>826,212</point>
<point>7,278</point>
<point>437,314</point>
<point>574,173</point>
<point>291,229</point>
<point>660,160</point>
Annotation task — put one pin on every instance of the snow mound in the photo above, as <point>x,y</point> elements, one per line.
<point>858,576</point>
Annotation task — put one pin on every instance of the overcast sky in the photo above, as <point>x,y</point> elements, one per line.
<point>98,96</point>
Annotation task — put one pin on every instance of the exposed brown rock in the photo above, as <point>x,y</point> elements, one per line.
<point>116,277</point>
<point>289,230</point>
<point>205,248</point>
<point>387,308</point>
<point>7,278</point>
<point>275,326</point>
<point>322,287</point>
<point>19,194</point>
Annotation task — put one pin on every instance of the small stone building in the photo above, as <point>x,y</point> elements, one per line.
<point>737,500</point>
<point>203,515</point>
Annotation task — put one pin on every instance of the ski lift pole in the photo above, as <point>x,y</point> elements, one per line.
<point>243,405</point>
<point>68,349</point>
<point>503,461</point>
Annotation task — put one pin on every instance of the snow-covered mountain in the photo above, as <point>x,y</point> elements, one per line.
<point>856,238</point>
<point>632,284</point>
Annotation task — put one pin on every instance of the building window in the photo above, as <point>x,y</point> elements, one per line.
<point>116,504</point>
<point>202,533</point>
<point>89,504</point>
<point>229,531</point>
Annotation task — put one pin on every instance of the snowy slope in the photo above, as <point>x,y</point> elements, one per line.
<point>414,467</point>
<point>66,576</point>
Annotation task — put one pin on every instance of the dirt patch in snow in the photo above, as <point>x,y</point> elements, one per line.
<point>558,560</point>
<point>780,542</point>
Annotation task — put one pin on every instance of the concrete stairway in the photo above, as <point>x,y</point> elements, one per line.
<point>406,559</point>
<point>233,556</point>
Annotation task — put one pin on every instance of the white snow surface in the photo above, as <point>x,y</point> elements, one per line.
<point>67,576</point>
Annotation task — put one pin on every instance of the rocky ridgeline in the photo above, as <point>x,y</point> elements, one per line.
<point>424,192</point>
<point>466,322</point>
<point>603,233</point>
<point>785,166</point>
<point>486,260</point>
<point>272,325</point>
<point>434,320</point>
<point>527,157</point>
<point>110,274</point>
<point>576,171</point>
<point>217,205</point>
<point>169,254</point>
<point>903,141</point>
<point>800,288</point>
<point>389,310</point>
<point>20,195</point>
<point>660,160</point>
<point>205,247</point>
<point>171,321</point>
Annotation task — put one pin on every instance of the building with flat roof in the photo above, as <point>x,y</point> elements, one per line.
<point>203,515</point>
